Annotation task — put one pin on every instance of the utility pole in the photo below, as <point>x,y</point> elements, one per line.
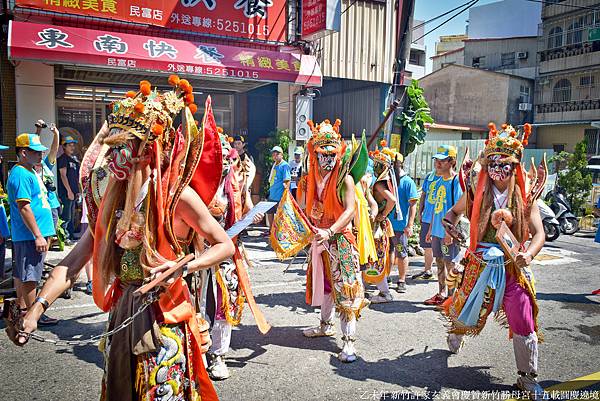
<point>404,23</point>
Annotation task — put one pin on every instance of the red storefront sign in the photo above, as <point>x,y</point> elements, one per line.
<point>66,45</point>
<point>314,14</point>
<point>250,19</point>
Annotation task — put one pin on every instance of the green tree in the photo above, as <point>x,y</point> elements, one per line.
<point>264,161</point>
<point>413,118</point>
<point>575,178</point>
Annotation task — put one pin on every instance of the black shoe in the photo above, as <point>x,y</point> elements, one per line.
<point>66,294</point>
<point>401,287</point>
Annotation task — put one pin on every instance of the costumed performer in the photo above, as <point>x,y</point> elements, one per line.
<point>146,185</point>
<point>498,193</point>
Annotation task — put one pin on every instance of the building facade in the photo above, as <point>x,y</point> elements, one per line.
<point>504,19</point>
<point>567,100</point>
<point>449,43</point>
<point>463,100</point>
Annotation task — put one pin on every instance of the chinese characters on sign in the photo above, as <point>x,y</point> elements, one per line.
<point>252,19</point>
<point>122,50</point>
<point>320,17</point>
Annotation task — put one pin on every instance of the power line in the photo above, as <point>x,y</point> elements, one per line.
<point>546,2</point>
<point>441,15</point>
<point>347,8</point>
<point>466,7</point>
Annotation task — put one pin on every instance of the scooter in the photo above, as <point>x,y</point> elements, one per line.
<point>569,224</point>
<point>551,224</point>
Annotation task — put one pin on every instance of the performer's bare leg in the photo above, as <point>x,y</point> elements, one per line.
<point>326,328</point>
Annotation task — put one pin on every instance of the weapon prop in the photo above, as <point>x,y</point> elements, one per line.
<point>234,230</point>
<point>454,232</point>
<point>164,275</point>
<point>11,313</point>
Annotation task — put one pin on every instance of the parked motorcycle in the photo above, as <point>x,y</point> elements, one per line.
<point>551,224</point>
<point>569,224</point>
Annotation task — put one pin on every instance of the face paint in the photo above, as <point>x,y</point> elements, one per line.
<point>120,162</point>
<point>499,171</point>
<point>327,161</point>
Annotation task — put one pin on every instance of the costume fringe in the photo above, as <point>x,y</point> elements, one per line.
<point>351,291</point>
<point>225,307</point>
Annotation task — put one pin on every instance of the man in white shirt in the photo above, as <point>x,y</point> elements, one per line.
<point>296,169</point>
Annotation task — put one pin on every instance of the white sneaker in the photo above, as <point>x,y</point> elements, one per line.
<point>530,385</point>
<point>218,369</point>
<point>325,329</point>
<point>348,354</point>
<point>382,298</point>
<point>455,342</point>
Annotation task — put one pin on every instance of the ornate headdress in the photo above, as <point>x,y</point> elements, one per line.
<point>326,137</point>
<point>507,142</point>
<point>385,156</point>
<point>148,114</point>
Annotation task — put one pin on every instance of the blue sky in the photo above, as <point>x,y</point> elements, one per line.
<point>427,9</point>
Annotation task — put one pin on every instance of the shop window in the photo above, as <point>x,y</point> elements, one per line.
<point>562,91</point>
<point>555,37</point>
<point>525,94</point>
<point>558,147</point>
<point>478,62</point>
<point>508,60</point>
<point>586,81</point>
<point>575,32</point>
<point>592,136</point>
<point>466,135</point>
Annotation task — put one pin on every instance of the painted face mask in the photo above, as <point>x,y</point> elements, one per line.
<point>327,161</point>
<point>499,171</point>
<point>120,164</point>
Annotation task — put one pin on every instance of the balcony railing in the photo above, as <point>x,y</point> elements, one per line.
<point>569,51</point>
<point>574,105</point>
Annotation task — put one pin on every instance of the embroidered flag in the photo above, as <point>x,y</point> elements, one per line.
<point>291,230</point>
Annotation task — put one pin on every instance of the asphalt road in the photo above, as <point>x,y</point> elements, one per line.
<point>401,345</point>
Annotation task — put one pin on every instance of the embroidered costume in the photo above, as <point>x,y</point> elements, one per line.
<point>377,272</point>
<point>491,282</point>
<point>333,276</point>
<point>225,288</point>
<point>158,356</point>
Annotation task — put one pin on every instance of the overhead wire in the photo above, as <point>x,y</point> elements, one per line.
<point>466,7</point>
<point>441,15</point>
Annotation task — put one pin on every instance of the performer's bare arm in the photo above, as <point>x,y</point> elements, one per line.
<point>62,277</point>
<point>421,204</point>
<point>390,200</point>
<point>194,213</point>
<point>372,204</point>
<point>346,217</point>
<point>538,237</point>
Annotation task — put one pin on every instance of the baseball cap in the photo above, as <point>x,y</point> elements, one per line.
<point>31,141</point>
<point>298,150</point>
<point>238,138</point>
<point>69,139</point>
<point>444,152</point>
<point>277,149</point>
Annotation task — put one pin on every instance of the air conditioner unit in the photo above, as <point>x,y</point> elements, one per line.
<point>522,55</point>
<point>524,106</point>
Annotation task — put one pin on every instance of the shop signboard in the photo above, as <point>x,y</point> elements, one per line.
<point>320,18</point>
<point>264,20</point>
<point>87,47</point>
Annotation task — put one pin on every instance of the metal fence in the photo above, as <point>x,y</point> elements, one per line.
<point>419,163</point>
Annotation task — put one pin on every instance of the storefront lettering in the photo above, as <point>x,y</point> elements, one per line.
<point>296,65</point>
<point>210,4</point>
<point>208,54</point>
<point>120,62</point>
<point>109,6</point>
<point>53,3</point>
<point>53,38</point>
<point>282,64</point>
<point>158,49</point>
<point>90,5</point>
<point>110,44</point>
<point>71,3</point>
<point>144,12</point>
<point>247,60</point>
<point>253,8</point>
<point>265,62</point>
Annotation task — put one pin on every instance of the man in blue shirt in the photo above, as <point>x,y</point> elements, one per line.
<point>403,228</point>
<point>426,205</point>
<point>447,193</point>
<point>31,220</point>
<point>279,179</point>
